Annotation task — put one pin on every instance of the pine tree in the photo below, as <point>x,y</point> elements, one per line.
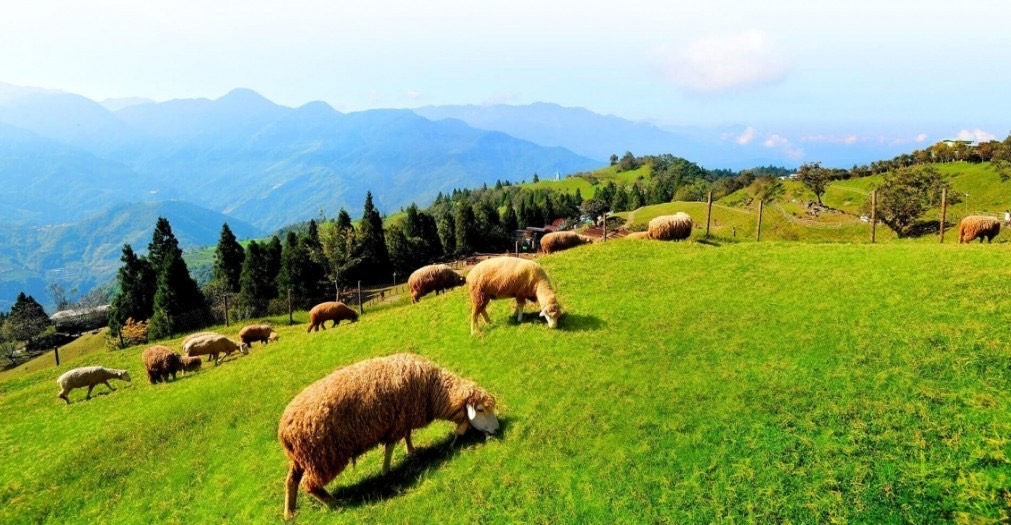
<point>447,231</point>
<point>135,298</point>
<point>228,258</point>
<point>509,218</point>
<point>466,229</point>
<point>375,259</point>
<point>254,290</point>
<point>272,258</point>
<point>27,318</point>
<point>178,303</point>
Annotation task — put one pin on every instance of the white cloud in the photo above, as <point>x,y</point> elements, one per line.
<point>976,135</point>
<point>775,141</point>
<point>852,139</point>
<point>413,95</point>
<point>746,137</point>
<point>921,137</point>
<point>725,63</point>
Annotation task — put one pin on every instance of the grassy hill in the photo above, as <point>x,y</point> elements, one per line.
<point>767,382</point>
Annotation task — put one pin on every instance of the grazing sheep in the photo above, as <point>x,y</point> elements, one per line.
<point>196,335</point>
<point>190,364</point>
<point>434,277</point>
<point>88,376</point>
<point>160,363</point>
<point>212,345</point>
<point>350,411</point>
<point>675,227</point>
<point>558,241</point>
<point>330,311</point>
<point>638,235</point>
<point>505,277</point>
<point>257,332</point>
<point>978,227</point>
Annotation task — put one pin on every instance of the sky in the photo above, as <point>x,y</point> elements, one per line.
<point>779,74</point>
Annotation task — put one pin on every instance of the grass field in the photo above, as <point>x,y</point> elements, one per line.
<point>773,382</point>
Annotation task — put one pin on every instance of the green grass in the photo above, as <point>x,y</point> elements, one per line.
<point>87,344</point>
<point>690,383</point>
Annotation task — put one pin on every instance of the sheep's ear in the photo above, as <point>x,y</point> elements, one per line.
<point>471,412</point>
<point>543,314</point>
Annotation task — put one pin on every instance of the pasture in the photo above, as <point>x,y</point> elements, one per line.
<point>689,383</point>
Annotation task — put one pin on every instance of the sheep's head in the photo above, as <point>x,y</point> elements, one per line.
<point>552,312</point>
<point>124,375</point>
<point>273,336</point>
<point>481,412</point>
<point>244,348</point>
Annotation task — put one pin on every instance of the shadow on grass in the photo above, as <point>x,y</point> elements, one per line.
<point>568,322</point>
<point>402,477</point>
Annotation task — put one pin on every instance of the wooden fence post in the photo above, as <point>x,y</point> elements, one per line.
<point>758,231</point>
<point>226,308</point>
<point>291,319</point>
<point>709,213</point>
<point>56,352</point>
<point>361,310</point>
<point>944,210</point>
<point>874,213</point>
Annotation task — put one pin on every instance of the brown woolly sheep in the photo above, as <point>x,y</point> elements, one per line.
<point>257,332</point>
<point>88,376</point>
<point>505,277</point>
<point>190,364</point>
<point>638,235</point>
<point>558,241</point>
<point>330,311</point>
<point>212,345</point>
<point>434,277</point>
<point>160,363</point>
<point>978,227</point>
<point>675,227</point>
<point>352,410</point>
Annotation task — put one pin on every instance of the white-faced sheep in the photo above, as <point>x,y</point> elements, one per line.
<point>978,227</point>
<point>505,277</point>
<point>160,363</point>
<point>196,335</point>
<point>212,345</point>
<point>329,311</point>
<point>89,376</point>
<point>434,277</point>
<point>257,332</point>
<point>356,408</point>
<point>558,241</point>
<point>675,227</point>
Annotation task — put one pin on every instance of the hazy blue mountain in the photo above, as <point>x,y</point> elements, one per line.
<point>71,119</point>
<point>86,253</point>
<point>116,104</point>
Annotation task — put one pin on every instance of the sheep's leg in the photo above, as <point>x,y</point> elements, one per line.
<point>410,446</point>
<point>520,303</point>
<point>389,456</point>
<point>291,490</point>
<point>322,495</point>
<point>63,395</point>
<point>107,385</point>
<point>89,391</point>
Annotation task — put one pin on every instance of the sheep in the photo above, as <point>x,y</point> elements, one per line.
<point>257,332</point>
<point>978,227</point>
<point>504,277</point>
<point>638,235</point>
<point>558,241</point>
<point>160,363</point>
<point>434,277</point>
<point>381,400</point>
<point>196,335</point>
<point>190,364</point>
<point>212,345</point>
<point>330,311</point>
<point>88,376</point>
<point>675,227</point>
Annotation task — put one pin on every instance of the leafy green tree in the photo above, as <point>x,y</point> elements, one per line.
<point>536,178</point>
<point>228,257</point>
<point>509,222</point>
<point>466,230</point>
<point>294,272</point>
<point>628,162</point>
<point>337,252</point>
<point>906,194</point>
<point>614,159</point>
<point>272,251</point>
<point>27,319</point>
<point>815,177</point>
<point>766,188</point>
<point>404,256</point>
<point>135,298</point>
<point>619,202</point>
<point>446,225</point>
<point>421,230</point>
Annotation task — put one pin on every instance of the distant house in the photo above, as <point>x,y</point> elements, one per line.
<point>77,320</point>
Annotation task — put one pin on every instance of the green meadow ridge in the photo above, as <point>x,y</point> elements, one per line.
<point>688,383</point>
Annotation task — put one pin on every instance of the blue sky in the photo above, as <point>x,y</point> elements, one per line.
<point>778,74</point>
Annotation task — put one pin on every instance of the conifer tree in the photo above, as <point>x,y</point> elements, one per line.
<point>466,231</point>
<point>27,318</point>
<point>371,247</point>
<point>228,257</point>
<point>272,263</point>
<point>254,289</point>
<point>178,303</point>
<point>135,298</point>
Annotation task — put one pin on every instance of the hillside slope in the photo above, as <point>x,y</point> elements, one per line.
<point>688,383</point>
